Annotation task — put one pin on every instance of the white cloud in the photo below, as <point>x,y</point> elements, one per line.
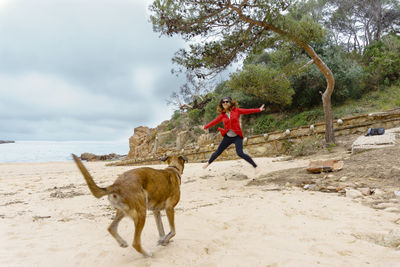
<point>4,3</point>
<point>52,96</point>
<point>145,78</point>
<point>71,68</point>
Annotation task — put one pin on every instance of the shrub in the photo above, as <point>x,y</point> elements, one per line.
<point>382,61</point>
<point>348,74</point>
<point>198,131</point>
<point>302,119</point>
<point>175,120</point>
<point>195,116</point>
<point>264,82</point>
<point>210,111</point>
<point>265,124</point>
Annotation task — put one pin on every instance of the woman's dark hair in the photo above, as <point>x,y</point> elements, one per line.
<point>221,109</point>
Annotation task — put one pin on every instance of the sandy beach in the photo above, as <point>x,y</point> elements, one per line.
<point>49,218</point>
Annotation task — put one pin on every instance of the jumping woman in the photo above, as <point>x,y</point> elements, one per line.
<point>229,113</point>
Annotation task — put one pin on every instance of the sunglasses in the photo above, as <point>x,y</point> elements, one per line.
<point>226,102</point>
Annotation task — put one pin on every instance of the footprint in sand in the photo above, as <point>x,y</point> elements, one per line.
<point>104,253</point>
<point>344,253</point>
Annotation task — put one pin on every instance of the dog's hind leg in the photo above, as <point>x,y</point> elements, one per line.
<point>160,227</point>
<point>113,229</point>
<point>171,219</point>
<point>139,218</point>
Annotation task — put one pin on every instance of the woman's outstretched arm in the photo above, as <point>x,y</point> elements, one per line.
<point>214,122</point>
<point>251,110</point>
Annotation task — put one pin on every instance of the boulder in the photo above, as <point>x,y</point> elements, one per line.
<point>324,166</point>
<point>353,193</point>
<point>88,156</point>
<point>363,143</point>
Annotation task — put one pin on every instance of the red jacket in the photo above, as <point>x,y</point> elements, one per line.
<point>232,123</point>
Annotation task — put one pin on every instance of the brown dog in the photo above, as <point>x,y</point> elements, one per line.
<point>140,189</point>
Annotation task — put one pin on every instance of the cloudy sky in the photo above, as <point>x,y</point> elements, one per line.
<point>82,69</point>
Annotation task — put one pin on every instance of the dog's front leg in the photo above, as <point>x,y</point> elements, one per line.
<point>171,219</point>
<point>113,229</point>
<point>160,227</point>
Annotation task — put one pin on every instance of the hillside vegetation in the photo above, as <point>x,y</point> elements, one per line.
<point>282,45</point>
<point>385,98</point>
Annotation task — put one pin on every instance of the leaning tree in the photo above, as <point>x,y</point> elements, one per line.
<point>222,31</point>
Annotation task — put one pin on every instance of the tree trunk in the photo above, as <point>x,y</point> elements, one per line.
<point>326,96</point>
<point>378,18</point>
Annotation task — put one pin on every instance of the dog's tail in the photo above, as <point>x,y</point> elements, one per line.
<point>96,191</point>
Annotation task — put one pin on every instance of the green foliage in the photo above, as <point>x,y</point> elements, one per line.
<point>306,80</point>
<point>239,28</point>
<point>195,116</point>
<point>210,111</point>
<point>266,83</point>
<point>303,28</point>
<point>348,75</point>
<point>265,123</point>
<point>198,131</point>
<point>176,115</point>
<point>397,101</point>
<point>330,146</point>
<point>301,119</point>
<point>382,61</point>
<point>175,120</point>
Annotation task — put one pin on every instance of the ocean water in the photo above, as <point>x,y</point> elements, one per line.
<point>49,151</point>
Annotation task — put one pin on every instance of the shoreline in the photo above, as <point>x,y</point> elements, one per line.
<point>49,151</point>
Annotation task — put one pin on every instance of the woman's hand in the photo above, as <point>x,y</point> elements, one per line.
<point>262,108</point>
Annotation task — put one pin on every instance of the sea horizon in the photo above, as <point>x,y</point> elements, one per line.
<point>24,151</point>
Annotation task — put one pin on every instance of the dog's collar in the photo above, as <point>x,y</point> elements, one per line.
<point>177,172</point>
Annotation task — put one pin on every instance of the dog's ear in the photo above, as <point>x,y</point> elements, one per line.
<point>165,158</point>
<point>184,158</point>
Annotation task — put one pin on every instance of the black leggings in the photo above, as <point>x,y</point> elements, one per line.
<point>227,141</point>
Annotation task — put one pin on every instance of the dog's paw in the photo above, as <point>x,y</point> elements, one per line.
<point>162,242</point>
<point>123,244</point>
<point>147,254</point>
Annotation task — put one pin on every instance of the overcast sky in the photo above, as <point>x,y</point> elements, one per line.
<point>82,69</point>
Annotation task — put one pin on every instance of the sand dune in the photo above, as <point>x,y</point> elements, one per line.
<point>49,218</point>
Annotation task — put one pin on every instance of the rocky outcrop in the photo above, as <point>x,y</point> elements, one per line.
<point>93,157</point>
<point>142,142</point>
<point>6,142</point>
